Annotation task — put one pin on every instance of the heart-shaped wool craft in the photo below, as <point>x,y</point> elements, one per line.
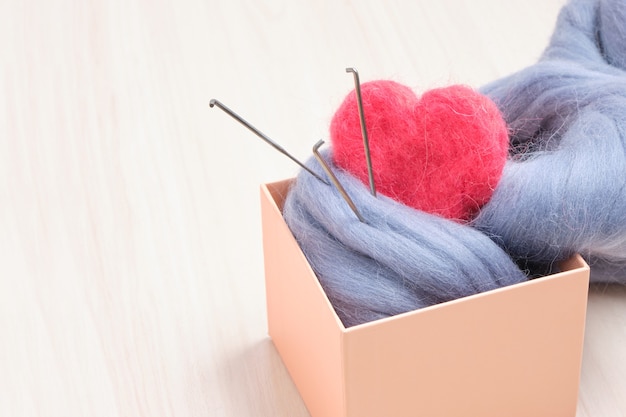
<point>443,153</point>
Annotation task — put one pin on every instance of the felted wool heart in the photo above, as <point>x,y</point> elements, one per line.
<point>443,153</point>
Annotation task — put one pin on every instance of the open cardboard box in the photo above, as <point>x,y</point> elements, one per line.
<point>514,351</point>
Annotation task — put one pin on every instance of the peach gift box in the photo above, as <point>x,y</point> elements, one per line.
<point>514,351</point>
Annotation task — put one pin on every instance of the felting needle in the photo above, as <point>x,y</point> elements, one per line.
<point>335,181</point>
<point>366,144</point>
<point>260,134</point>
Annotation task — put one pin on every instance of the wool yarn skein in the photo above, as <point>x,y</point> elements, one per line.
<point>564,189</point>
<point>400,259</point>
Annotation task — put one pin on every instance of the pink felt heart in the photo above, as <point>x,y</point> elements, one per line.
<point>442,153</point>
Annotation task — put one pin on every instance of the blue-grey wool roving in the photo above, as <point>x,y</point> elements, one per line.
<point>564,189</point>
<point>399,260</point>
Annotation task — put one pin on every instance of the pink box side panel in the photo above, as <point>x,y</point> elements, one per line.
<point>511,352</point>
<point>301,322</point>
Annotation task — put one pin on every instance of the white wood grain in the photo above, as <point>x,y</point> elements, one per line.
<point>130,246</point>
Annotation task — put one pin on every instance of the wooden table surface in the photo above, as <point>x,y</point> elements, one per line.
<point>130,242</point>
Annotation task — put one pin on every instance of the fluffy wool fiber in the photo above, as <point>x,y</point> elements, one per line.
<point>399,260</point>
<point>562,191</point>
<point>442,153</point>
<point>565,189</point>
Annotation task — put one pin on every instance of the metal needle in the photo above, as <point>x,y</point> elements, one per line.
<point>366,145</point>
<point>260,134</point>
<point>335,181</point>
